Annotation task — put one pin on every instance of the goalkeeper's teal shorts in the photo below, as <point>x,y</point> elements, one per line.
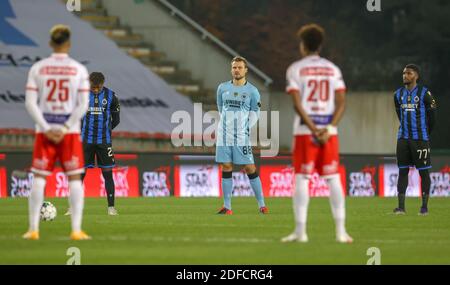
<point>240,155</point>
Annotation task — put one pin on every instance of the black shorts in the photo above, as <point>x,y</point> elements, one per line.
<point>413,153</point>
<point>103,152</point>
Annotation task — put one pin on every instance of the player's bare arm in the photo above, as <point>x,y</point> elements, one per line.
<point>340,108</point>
<point>323,134</point>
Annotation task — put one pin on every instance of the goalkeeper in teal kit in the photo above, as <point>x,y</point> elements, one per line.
<point>238,103</point>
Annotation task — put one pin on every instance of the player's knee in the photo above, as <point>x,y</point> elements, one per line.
<point>39,176</point>
<point>253,175</point>
<point>107,173</point>
<point>106,170</point>
<point>250,169</point>
<point>227,167</point>
<point>75,177</point>
<point>424,173</point>
<point>403,172</point>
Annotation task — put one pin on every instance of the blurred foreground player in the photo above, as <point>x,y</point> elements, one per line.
<point>415,107</point>
<point>318,92</point>
<point>238,102</point>
<point>57,98</point>
<point>102,117</point>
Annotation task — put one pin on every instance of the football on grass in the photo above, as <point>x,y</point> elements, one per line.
<point>48,211</point>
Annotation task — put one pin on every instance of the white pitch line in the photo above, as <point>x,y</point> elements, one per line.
<point>395,241</point>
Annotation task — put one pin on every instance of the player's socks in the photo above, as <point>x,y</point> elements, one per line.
<point>426,182</point>
<point>35,202</point>
<point>227,188</point>
<point>402,184</point>
<point>425,198</point>
<point>255,182</point>
<point>300,204</point>
<point>337,203</point>
<point>82,181</point>
<point>401,200</point>
<point>76,204</point>
<point>109,185</point>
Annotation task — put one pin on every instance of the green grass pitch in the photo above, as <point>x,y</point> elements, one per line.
<point>187,231</point>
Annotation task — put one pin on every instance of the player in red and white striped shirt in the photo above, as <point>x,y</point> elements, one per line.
<point>318,92</point>
<point>57,97</point>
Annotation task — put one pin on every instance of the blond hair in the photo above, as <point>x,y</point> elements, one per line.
<point>59,34</point>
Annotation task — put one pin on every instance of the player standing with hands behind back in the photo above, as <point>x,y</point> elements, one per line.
<point>318,92</point>
<point>57,97</point>
<point>415,107</point>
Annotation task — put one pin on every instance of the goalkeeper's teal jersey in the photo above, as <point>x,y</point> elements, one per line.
<point>239,108</point>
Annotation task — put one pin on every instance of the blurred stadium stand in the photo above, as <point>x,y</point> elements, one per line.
<point>134,32</point>
<point>136,46</point>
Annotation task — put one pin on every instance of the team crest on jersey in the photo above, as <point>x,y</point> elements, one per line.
<point>244,95</point>
<point>416,99</point>
<point>104,101</point>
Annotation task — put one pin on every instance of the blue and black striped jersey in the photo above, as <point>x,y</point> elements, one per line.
<point>102,116</point>
<point>415,111</point>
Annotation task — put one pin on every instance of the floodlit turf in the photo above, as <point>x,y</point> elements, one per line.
<point>187,231</point>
